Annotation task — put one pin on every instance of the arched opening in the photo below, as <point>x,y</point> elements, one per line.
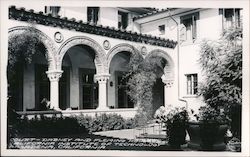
<point>30,55</point>
<point>77,81</point>
<point>158,88</point>
<point>163,72</point>
<point>117,95</point>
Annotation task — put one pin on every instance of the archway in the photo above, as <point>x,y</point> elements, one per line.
<point>118,58</point>
<point>29,89</point>
<point>100,56</point>
<point>77,81</point>
<point>165,77</point>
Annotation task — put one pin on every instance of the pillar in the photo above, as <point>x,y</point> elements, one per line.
<point>54,77</point>
<point>169,94</point>
<point>102,100</point>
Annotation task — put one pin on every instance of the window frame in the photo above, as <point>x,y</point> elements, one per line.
<point>192,88</point>
<point>162,29</point>
<point>124,16</point>
<point>194,17</point>
<point>93,14</point>
<point>235,17</point>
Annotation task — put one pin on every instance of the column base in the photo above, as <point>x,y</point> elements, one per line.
<point>57,109</point>
<point>102,108</point>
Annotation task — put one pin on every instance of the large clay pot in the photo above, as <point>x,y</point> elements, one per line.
<point>206,136</point>
<point>177,135</point>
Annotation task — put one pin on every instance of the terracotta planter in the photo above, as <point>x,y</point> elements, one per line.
<point>177,135</point>
<point>206,136</point>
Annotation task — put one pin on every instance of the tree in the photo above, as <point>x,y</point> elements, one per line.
<point>221,62</point>
<point>141,78</point>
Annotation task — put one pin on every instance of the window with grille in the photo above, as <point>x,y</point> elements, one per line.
<point>192,84</point>
<point>93,14</point>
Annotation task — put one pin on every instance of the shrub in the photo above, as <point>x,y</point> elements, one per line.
<point>105,122</point>
<point>48,126</point>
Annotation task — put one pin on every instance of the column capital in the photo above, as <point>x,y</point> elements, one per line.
<point>168,82</point>
<point>54,75</point>
<point>101,78</point>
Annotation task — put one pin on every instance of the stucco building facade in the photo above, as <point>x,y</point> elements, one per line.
<point>86,51</point>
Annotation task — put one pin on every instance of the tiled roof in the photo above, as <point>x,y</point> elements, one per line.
<point>21,14</point>
<point>151,13</point>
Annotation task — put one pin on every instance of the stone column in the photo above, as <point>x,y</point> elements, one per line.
<point>102,100</point>
<point>169,96</point>
<point>54,77</point>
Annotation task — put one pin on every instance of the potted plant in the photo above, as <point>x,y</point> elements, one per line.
<point>175,119</point>
<point>207,129</point>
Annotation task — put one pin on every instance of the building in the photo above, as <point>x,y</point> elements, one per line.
<point>85,50</point>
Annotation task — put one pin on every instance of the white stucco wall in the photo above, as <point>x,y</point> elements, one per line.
<point>79,13</point>
<point>109,17</point>
<point>209,26</point>
<point>152,28</point>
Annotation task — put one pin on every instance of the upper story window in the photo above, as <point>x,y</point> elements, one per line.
<point>122,20</point>
<point>93,14</point>
<point>161,29</point>
<point>188,31</point>
<point>192,84</point>
<point>54,10</point>
<point>230,17</point>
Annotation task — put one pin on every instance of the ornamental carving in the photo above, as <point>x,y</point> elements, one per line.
<point>144,50</point>
<point>47,42</point>
<point>168,81</point>
<point>54,75</point>
<point>101,78</point>
<point>106,45</point>
<point>58,37</point>
<point>100,57</point>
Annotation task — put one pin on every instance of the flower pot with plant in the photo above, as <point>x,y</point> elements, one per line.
<point>175,119</point>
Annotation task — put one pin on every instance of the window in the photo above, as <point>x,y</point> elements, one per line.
<point>93,14</point>
<point>122,20</point>
<point>123,99</point>
<point>188,31</point>
<point>88,89</point>
<point>161,29</point>
<point>192,84</point>
<point>54,10</point>
<point>230,17</point>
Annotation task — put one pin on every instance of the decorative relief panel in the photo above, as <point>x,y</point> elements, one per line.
<point>106,45</point>
<point>58,37</point>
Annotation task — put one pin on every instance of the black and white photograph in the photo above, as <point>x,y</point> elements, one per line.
<point>124,78</point>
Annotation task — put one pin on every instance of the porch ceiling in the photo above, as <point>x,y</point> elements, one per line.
<point>71,24</point>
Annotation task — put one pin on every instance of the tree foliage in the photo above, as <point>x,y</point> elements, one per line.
<point>21,47</point>
<point>141,78</point>
<point>222,64</point>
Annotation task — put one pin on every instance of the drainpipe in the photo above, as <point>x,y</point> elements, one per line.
<point>178,58</point>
